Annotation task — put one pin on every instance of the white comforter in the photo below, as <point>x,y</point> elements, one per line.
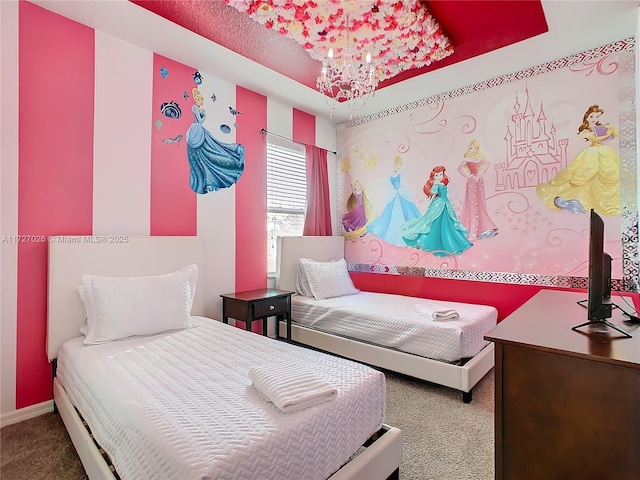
<point>181,406</point>
<point>392,321</point>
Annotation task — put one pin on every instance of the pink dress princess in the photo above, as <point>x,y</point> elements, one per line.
<point>474,214</point>
<point>356,217</point>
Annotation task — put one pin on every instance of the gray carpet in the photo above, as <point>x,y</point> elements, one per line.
<point>444,439</point>
<point>39,448</point>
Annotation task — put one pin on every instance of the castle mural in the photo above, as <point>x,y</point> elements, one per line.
<point>534,154</point>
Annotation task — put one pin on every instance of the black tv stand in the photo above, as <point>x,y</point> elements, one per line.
<point>602,322</point>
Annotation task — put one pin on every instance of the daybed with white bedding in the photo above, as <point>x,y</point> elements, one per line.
<point>202,400</point>
<point>384,330</point>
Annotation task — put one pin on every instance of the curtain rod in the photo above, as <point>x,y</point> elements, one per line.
<point>264,130</point>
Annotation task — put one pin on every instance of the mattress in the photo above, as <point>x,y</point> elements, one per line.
<point>392,321</point>
<point>181,406</point>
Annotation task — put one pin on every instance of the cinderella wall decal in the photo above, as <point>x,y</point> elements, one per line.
<point>213,164</point>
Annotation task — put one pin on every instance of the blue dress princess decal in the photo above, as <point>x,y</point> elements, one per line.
<point>438,231</point>
<point>399,210</point>
<point>214,164</point>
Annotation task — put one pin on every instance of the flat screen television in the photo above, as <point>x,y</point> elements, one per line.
<point>599,288</point>
<point>599,272</point>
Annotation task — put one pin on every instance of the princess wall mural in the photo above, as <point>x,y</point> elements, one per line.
<point>356,218</point>
<point>358,207</point>
<point>475,216</point>
<point>500,177</point>
<point>213,163</point>
<point>438,231</point>
<point>592,179</point>
<point>399,210</point>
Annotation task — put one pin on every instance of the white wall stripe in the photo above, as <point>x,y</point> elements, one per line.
<point>217,210</point>
<point>122,147</point>
<point>326,137</point>
<point>280,122</point>
<point>8,202</point>
<point>279,118</point>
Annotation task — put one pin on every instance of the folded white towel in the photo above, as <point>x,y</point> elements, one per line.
<point>291,387</point>
<point>436,312</point>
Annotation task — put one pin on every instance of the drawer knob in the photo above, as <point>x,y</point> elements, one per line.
<point>271,307</point>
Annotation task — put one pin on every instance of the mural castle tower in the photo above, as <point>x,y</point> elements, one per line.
<point>534,155</point>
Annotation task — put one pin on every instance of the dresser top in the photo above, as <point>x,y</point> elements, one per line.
<point>545,323</point>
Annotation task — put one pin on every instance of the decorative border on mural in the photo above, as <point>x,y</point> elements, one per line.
<point>392,270</point>
<point>619,285</point>
<point>626,45</point>
<point>628,169</point>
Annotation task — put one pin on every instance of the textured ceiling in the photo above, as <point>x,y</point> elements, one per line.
<point>473,27</point>
<point>492,37</point>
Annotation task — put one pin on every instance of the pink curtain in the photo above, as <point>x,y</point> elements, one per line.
<point>317,220</point>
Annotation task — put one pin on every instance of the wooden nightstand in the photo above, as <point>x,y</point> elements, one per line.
<point>258,305</point>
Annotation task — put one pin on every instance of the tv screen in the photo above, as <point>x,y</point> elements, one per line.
<point>599,272</point>
<point>599,304</point>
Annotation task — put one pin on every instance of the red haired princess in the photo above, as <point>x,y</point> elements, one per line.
<point>438,231</point>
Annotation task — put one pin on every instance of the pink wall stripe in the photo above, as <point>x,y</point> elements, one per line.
<point>55,173</point>
<point>251,194</point>
<point>304,127</point>
<point>173,203</point>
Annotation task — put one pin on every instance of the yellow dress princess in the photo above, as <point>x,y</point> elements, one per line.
<point>593,178</point>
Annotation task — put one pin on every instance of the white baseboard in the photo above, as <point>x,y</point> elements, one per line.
<point>26,413</point>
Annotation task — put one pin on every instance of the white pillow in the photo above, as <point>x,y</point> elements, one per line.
<point>302,284</point>
<point>328,279</point>
<point>123,307</point>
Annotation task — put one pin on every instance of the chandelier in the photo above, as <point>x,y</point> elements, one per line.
<point>347,77</point>
<point>397,34</point>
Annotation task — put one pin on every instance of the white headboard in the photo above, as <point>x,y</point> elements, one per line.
<point>72,256</point>
<point>291,249</point>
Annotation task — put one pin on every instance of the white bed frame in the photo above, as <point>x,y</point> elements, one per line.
<point>463,378</point>
<point>72,256</point>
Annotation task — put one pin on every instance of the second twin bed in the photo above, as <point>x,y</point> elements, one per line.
<point>441,342</point>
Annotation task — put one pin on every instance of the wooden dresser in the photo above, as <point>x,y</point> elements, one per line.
<point>567,402</point>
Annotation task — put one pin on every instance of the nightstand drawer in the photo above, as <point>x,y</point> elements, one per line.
<point>270,306</point>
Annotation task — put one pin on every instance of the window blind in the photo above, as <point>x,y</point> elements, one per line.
<point>286,194</point>
<point>286,178</point>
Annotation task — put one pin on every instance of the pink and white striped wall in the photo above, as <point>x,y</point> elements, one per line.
<point>81,154</point>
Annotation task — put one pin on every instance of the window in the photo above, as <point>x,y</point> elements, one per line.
<point>286,194</point>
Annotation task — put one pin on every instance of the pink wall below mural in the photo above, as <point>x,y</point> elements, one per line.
<point>505,297</point>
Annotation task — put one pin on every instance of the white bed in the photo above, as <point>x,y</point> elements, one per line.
<point>182,405</point>
<point>392,321</point>
<point>365,348</point>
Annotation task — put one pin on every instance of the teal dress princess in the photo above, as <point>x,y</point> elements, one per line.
<point>213,164</point>
<point>388,225</point>
<point>438,231</point>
